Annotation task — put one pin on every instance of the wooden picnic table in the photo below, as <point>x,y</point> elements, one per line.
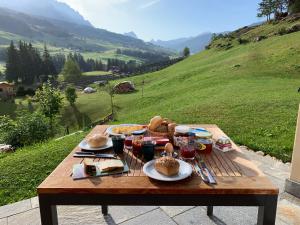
<point>240,183</point>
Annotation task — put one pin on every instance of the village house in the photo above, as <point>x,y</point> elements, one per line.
<point>7,90</point>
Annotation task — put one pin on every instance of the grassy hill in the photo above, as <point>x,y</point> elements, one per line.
<point>88,109</point>
<point>250,91</point>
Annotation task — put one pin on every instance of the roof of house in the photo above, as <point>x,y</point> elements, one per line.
<point>7,84</point>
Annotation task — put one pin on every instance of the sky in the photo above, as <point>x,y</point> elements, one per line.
<point>167,19</point>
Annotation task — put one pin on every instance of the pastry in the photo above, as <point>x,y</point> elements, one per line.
<point>162,128</point>
<point>167,166</point>
<point>155,122</point>
<point>109,165</point>
<point>97,141</point>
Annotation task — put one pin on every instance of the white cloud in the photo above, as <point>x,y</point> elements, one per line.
<point>149,4</point>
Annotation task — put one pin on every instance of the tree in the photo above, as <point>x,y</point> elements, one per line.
<point>12,63</point>
<point>71,95</point>
<point>266,8</point>
<point>48,67</point>
<point>186,52</point>
<point>50,101</point>
<point>294,6</point>
<point>109,89</point>
<point>71,70</point>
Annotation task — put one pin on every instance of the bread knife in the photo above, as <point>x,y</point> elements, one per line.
<point>200,172</point>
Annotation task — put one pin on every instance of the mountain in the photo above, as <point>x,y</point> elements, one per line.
<point>131,34</point>
<point>196,44</point>
<point>46,8</point>
<point>72,36</point>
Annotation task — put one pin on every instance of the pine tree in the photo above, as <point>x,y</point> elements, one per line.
<point>48,66</point>
<point>266,8</point>
<point>12,63</point>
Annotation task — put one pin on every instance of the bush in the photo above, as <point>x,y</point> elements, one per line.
<point>283,31</point>
<point>21,92</point>
<point>25,130</point>
<point>71,95</point>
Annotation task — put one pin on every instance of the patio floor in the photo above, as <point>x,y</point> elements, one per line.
<point>27,212</point>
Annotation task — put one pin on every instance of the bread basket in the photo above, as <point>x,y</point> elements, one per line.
<point>158,134</point>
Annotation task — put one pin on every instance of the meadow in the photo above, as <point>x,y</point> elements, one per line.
<point>88,109</point>
<point>250,91</point>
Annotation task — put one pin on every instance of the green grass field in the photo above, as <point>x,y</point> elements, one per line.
<point>250,91</point>
<point>96,73</point>
<point>88,108</point>
<point>22,171</point>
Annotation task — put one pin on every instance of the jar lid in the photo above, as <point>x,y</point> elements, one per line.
<point>182,129</point>
<point>204,134</point>
<point>138,132</point>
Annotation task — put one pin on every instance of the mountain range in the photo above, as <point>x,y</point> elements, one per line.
<point>51,9</point>
<point>195,44</point>
<point>62,33</point>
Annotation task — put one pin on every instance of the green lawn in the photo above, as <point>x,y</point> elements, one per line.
<point>96,73</point>
<point>21,172</point>
<point>255,103</point>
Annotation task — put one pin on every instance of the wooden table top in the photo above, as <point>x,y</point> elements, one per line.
<point>234,173</point>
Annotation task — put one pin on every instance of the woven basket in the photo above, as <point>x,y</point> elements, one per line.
<point>158,134</point>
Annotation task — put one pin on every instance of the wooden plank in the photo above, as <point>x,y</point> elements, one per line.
<point>145,185</point>
<point>224,163</point>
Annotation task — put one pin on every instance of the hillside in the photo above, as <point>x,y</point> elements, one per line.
<point>66,36</point>
<point>249,90</point>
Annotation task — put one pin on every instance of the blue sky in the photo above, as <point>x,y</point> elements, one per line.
<point>167,19</point>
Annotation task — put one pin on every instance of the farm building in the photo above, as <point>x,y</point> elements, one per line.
<point>7,90</point>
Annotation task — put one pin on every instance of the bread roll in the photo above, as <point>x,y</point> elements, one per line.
<point>167,166</point>
<point>97,141</point>
<point>155,122</point>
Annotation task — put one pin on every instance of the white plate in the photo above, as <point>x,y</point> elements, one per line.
<point>84,145</point>
<point>110,129</point>
<point>185,170</point>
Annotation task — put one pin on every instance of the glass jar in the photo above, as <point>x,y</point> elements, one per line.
<point>137,142</point>
<point>188,150</point>
<point>181,135</point>
<point>204,142</point>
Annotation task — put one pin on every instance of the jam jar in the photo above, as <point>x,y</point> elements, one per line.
<point>137,142</point>
<point>204,142</point>
<point>181,135</point>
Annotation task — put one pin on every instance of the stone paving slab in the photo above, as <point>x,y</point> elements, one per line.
<point>175,210</point>
<point>155,217</point>
<point>15,208</point>
<point>3,221</point>
<point>31,217</point>
<point>34,202</point>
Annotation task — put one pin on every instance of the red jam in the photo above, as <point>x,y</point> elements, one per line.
<point>187,153</point>
<point>136,149</point>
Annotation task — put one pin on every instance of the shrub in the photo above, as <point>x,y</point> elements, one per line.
<point>28,128</point>
<point>71,95</point>
<point>282,31</point>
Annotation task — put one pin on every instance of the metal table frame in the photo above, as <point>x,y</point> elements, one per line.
<point>266,213</point>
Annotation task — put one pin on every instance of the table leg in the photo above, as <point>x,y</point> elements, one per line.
<point>267,212</point>
<point>48,212</point>
<point>104,209</point>
<point>210,210</point>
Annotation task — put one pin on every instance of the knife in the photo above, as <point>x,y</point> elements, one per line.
<point>92,155</point>
<point>200,172</point>
<point>211,179</point>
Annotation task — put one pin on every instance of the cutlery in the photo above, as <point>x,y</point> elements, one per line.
<point>201,173</point>
<point>211,179</point>
<point>93,155</point>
